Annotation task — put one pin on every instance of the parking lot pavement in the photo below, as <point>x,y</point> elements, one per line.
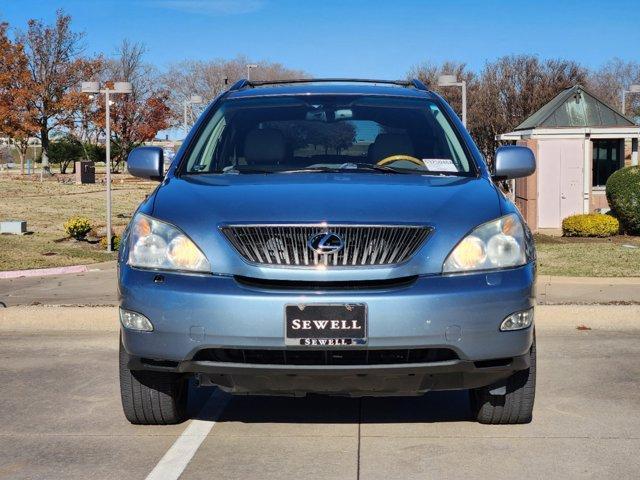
<point>97,286</point>
<point>60,417</point>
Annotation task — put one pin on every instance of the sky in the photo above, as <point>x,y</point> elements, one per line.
<point>350,38</point>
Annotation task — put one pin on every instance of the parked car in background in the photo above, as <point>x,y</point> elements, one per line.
<point>342,238</point>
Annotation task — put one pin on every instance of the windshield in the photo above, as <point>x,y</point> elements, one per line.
<point>328,133</point>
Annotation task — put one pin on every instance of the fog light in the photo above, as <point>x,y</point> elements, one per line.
<point>517,321</point>
<point>135,321</point>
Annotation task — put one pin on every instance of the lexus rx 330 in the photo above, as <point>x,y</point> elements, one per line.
<point>332,237</point>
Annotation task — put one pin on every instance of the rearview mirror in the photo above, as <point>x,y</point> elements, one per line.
<point>513,161</point>
<point>146,162</point>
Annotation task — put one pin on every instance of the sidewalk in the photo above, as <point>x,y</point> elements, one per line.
<point>97,286</point>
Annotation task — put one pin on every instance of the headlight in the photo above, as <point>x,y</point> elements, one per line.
<point>497,244</point>
<point>156,244</point>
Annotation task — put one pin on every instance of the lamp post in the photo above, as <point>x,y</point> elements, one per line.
<point>634,88</point>
<point>452,81</point>
<point>193,100</point>
<point>249,67</point>
<point>121,88</point>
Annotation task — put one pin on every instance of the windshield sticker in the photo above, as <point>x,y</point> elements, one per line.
<point>440,164</point>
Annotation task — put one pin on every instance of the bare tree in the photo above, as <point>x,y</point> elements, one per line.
<point>514,87</point>
<point>610,80</point>
<point>210,78</point>
<point>138,116</point>
<point>504,93</point>
<point>429,72</point>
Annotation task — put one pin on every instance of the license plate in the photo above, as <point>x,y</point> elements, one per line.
<point>326,324</point>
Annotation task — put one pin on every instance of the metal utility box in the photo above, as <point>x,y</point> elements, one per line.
<point>14,227</point>
<point>85,172</point>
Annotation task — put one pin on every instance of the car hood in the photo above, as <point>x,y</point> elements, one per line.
<point>453,206</point>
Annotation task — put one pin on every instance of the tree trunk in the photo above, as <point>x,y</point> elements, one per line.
<point>64,164</point>
<point>44,139</point>
<point>21,161</point>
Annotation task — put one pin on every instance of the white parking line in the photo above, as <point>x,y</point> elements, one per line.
<point>173,463</point>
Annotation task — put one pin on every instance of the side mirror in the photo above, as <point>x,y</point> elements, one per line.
<point>146,162</point>
<point>513,161</point>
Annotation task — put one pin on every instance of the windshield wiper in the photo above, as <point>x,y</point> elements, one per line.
<point>234,170</point>
<point>349,166</point>
<point>369,166</point>
<point>345,167</point>
<point>310,170</point>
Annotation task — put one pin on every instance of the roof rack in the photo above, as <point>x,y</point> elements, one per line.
<point>244,83</point>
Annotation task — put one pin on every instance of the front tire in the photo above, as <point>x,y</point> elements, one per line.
<point>515,406</point>
<point>152,398</point>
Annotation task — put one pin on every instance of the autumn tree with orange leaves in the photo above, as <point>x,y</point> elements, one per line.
<point>16,94</point>
<point>56,67</point>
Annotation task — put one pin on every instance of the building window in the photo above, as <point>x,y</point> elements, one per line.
<point>607,158</point>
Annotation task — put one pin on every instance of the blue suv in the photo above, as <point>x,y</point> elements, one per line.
<point>342,237</point>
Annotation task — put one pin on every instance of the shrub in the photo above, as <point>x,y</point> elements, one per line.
<point>115,243</point>
<point>95,153</point>
<point>77,227</point>
<point>65,151</point>
<point>623,194</point>
<point>590,225</point>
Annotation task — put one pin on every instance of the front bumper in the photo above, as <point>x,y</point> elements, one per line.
<point>459,312</point>
<point>349,380</point>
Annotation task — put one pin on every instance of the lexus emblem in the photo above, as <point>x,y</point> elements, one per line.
<point>325,243</point>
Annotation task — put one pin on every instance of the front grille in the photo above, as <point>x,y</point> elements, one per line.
<point>325,357</point>
<point>363,244</point>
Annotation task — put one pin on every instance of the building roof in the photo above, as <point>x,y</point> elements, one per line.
<point>575,107</point>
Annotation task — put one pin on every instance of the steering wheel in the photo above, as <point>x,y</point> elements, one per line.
<point>396,158</point>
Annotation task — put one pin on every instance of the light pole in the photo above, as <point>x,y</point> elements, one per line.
<point>249,67</point>
<point>118,87</point>
<point>193,100</point>
<point>452,81</point>
<point>634,88</point>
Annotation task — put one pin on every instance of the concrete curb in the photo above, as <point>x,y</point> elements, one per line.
<point>550,279</point>
<point>42,272</point>
<point>587,290</point>
<point>45,272</point>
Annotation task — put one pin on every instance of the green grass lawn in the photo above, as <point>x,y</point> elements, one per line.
<point>47,205</point>
<point>588,257</point>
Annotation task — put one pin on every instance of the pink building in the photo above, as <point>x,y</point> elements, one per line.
<point>579,141</point>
